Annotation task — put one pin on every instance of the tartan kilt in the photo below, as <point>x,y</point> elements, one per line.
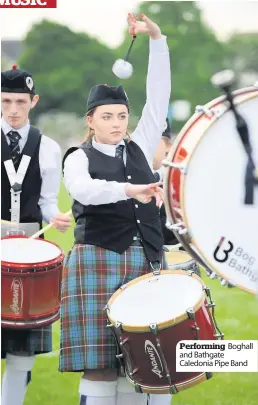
<point>31,341</point>
<point>91,276</point>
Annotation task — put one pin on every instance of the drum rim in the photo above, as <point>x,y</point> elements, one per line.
<point>200,252</point>
<point>163,325</point>
<point>35,265</point>
<point>36,322</point>
<point>180,386</point>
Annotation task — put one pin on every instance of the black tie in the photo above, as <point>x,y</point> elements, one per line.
<point>119,152</point>
<point>14,137</point>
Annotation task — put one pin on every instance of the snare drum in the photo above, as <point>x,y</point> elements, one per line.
<point>31,271</point>
<point>149,316</point>
<point>204,187</point>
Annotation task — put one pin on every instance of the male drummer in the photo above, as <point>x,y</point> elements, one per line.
<point>30,177</point>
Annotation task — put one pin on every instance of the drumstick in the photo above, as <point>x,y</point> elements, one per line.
<point>3,221</point>
<point>46,228</point>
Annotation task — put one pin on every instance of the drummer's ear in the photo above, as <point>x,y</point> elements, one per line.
<point>34,100</point>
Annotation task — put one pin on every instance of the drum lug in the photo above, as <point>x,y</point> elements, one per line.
<point>178,227</point>
<point>134,371</point>
<point>180,166</point>
<point>106,309</point>
<point>190,272</point>
<point>209,375</point>
<point>191,314</point>
<point>209,113</point>
<point>137,388</point>
<point>120,356</point>
<point>173,390</point>
<point>119,326</point>
<point>212,305</point>
<point>153,328</point>
<point>122,342</point>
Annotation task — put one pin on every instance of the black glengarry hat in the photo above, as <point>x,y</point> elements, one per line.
<point>17,81</point>
<point>103,94</point>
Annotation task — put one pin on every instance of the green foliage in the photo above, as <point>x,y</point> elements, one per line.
<point>243,58</point>
<point>194,50</point>
<point>243,51</point>
<point>65,65</point>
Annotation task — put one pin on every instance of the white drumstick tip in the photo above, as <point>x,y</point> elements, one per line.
<point>122,69</point>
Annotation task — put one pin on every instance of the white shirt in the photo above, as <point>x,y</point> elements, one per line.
<point>147,135</point>
<point>50,169</point>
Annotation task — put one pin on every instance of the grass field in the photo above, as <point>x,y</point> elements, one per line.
<point>236,314</point>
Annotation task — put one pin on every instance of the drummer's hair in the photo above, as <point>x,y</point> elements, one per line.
<point>90,132</point>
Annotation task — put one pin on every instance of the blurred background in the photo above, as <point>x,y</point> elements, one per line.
<point>72,48</point>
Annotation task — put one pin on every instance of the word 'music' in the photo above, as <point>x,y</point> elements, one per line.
<point>28,3</point>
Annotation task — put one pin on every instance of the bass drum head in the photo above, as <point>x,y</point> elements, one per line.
<point>223,229</point>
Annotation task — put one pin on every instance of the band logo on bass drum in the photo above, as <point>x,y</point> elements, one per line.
<point>235,257</point>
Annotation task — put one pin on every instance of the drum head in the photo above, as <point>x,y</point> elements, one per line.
<point>223,229</point>
<point>156,299</point>
<point>28,251</point>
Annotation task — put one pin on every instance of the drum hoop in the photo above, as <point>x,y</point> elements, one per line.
<point>162,325</point>
<point>192,382</point>
<point>37,265</point>
<point>190,123</point>
<point>182,199</point>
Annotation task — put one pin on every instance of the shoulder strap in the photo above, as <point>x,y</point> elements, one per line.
<point>34,139</point>
<point>67,153</point>
<point>6,152</point>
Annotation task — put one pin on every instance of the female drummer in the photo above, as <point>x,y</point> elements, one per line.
<point>118,235</point>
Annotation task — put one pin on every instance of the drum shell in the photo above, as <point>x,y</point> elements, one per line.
<point>134,345</point>
<point>31,294</point>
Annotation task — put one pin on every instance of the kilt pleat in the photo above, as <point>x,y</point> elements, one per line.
<point>91,276</point>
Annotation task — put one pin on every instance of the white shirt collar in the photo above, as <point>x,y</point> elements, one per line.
<point>107,149</point>
<point>24,131</point>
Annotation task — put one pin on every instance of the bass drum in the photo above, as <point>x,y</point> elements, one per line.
<point>204,186</point>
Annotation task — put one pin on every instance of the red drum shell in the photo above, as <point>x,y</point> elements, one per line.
<point>31,293</point>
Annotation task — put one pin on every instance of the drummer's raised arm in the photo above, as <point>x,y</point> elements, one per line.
<point>151,125</point>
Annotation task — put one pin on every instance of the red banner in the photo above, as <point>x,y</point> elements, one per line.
<point>28,3</point>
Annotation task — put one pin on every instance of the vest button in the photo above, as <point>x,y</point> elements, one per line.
<point>138,221</point>
<point>136,205</point>
<point>129,177</point>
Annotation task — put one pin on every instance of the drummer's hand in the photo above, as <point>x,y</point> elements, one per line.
<point>145,193</point>
<point>146,26</point>
<point>61,222</point>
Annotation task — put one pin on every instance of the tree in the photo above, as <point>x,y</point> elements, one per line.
<point>243,57</point>
<point>65,65</point>
<point>195,52</point>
